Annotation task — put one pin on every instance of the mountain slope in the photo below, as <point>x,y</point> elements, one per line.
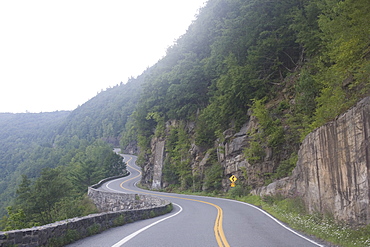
<point>287,66</point>
<point>20,135</point>
<point>106,114</point>
<point>69,143</point>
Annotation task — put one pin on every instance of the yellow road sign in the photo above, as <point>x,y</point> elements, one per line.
<point>233,178</point>
<point>232,184</point>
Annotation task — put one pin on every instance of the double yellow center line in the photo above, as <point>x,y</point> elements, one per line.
<point>218,230</point>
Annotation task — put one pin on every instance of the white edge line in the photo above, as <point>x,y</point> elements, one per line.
<point>250,205</point>
<point>276,220</point>
<point>109,188</point>
<point>129,237</point>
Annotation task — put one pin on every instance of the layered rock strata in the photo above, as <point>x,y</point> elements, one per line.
<point>332,173</point>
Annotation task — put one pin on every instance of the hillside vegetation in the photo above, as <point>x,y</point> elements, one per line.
<point>292,64</point>
<point>49,159</point>
<point>21,136</point>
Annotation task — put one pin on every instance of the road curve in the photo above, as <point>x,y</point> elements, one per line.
<point>195,221</point>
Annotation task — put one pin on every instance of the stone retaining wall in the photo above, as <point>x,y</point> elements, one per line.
<point>118,209</point>
<point>110,201</point>
<point>63,232</point>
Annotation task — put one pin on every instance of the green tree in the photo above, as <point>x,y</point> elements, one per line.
<point>177,168</point>
<point>51,188</point>
<point>24,189</point>
<point>114,165</point>
<point>344,67</point>
<point>86,173</point>
<point>16,219</point>
<point>305,24</point>
<point>213,177</point>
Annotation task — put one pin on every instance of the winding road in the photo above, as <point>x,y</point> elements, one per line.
<point>195,221</point>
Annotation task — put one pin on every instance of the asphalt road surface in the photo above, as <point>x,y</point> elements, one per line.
<point>195,221</point>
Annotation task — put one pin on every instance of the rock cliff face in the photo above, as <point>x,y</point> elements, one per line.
<point>131,148</point>
<point>332,172</point>
<point>157,160</point>
<point>229,155</point>
<point>234,162</point>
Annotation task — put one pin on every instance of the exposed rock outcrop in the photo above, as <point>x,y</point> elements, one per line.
<point>332,172</point>
<point>157,160</point>
<point>234,162</point>
<point>229,155</point>
<point>131,148</point>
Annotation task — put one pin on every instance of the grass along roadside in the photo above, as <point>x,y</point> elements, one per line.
<point>292,212</point>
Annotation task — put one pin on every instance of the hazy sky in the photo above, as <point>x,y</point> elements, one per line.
<point>56,55</point>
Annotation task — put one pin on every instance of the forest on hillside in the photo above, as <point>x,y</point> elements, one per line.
<point>292,64</point>
<point>48,160</point>
<point>295,64</point>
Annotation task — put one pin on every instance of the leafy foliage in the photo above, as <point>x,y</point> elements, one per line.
<point>295,63</point>
<point>104,116</point>
<point>59,193</point>
<point>177,168</point>
<point>213,178</point>
<point>341,64</point>
<point>269,130</point>
<point>59,149</point>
